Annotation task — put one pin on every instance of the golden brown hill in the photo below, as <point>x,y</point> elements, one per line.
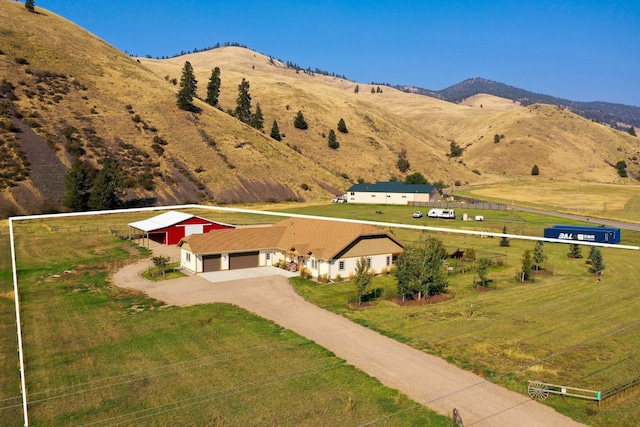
<point>82,97</point>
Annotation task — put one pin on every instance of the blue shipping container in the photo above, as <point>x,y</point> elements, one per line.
<point>583,233</point>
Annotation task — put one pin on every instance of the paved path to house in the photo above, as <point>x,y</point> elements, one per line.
<point>424,378</point>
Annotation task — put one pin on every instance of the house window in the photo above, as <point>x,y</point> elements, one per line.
<point>373,195</point>
<point>314,264</point>
<point>187,256</point>
<point>353,194</point>
<point>404,197</point>
<point>388,260</point>
<point>268,257</point>
<point>341,265</point>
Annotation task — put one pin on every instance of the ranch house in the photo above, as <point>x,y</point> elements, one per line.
<point>392,193</point>
<point>168,228</point>
<point>324,248</point>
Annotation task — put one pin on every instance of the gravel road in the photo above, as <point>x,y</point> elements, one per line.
<point>426,379</point>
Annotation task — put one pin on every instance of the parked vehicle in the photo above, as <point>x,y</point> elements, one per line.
<point>442,213</point>
<point>339,199</point>
<point>479,218</point>
<point>417,214</point>
<point>583,233</point>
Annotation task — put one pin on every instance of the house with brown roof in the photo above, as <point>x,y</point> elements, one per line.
<point>325,248</point>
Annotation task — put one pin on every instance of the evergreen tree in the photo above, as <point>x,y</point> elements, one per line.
<point>596,262</point>
<point>357,89</point>
<point>538,254</point>
<point>188,87</point>
<point>77,183</point>
<point>621,166</point>
<point>108,187</point>
<point>342,126</point>
<point>496,138</point>
<point>332,141</point>
<point>373,90</point>
<point>455,150</point>
<point>632,131</point>
<point>483,270</point>
<point>243,102</point>
<point>275,132</point>
<point>526,264</point>
<point>213,88</point>
<point>30,5</point>
<point>535,171</point>
<point>299,122</point>
<point>257,121</point>
<point>504,241</point>
<point>575,251</point>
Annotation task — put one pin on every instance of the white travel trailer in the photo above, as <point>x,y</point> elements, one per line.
<point>442,213</point>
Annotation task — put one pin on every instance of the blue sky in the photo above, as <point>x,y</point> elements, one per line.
<point>579,50</point>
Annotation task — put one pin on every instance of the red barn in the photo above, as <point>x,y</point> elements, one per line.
<point>169,227</point>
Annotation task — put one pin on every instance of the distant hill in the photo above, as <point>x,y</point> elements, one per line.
<point>619,116</point>
<point>66,94</point>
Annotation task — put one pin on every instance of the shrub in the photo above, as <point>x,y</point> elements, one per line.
<point>535,171</point>
<point>304,186</point>
<point>22,61</point>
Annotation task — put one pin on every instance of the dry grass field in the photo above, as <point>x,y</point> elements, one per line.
<point>75,89</point>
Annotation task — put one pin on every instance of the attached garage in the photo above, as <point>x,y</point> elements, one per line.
<point>211,263</point>
<point>244,260</point>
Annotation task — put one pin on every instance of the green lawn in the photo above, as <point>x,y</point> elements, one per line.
<point>99,354</point>
<point>567,328</point>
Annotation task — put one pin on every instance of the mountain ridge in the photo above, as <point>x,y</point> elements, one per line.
<point>619,116</point>
<point>85,99</point>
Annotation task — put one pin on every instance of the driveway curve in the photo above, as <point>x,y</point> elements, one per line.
<point>424,378</point>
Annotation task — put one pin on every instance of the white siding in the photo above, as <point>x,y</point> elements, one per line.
<point>387,198</point>
<point>189,261</point>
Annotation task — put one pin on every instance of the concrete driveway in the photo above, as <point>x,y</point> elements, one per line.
<point>245,273</point>
<point>424,378</point>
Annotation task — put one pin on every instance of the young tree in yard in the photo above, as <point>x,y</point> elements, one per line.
<point>108,187</point>
<point>504,241</point>
<point>595,261</point>
<point>362,277</point>
<point>188,87</point>
<point>526,264</point>
<point>275,132</point>
<point>469,256</point>
<point>575,251</point>
<point>332,141</point>
<point>77,183</point>
<point>299,122</point>
<point>539,256</point>
<point>257,121</point>
<point>419,270</point>
<point>483,270</point>
<point>342,126</point>
<point>213,88</point>
<point>160,262</point>
<point>243,102</point>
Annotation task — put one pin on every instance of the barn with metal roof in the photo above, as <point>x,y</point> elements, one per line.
<point>168,228</point>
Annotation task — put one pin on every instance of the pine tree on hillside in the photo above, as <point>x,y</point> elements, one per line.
<point>332,141</point>
<point>30,5</point>
<point>342,126</point>
<point>257,121</point>
<point>357,89</point>
<point>632,131</point>
<point>504,241</point>
<point>213,88</point>
<point>535,171</point>
<point>275,132</point>
<point>188,87</point>
<point>77,183</point>
<point>243,102</point>
<point>299,122</point>
<point>108,187</point>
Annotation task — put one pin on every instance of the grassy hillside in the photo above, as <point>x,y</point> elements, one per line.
<point>85,98</point>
